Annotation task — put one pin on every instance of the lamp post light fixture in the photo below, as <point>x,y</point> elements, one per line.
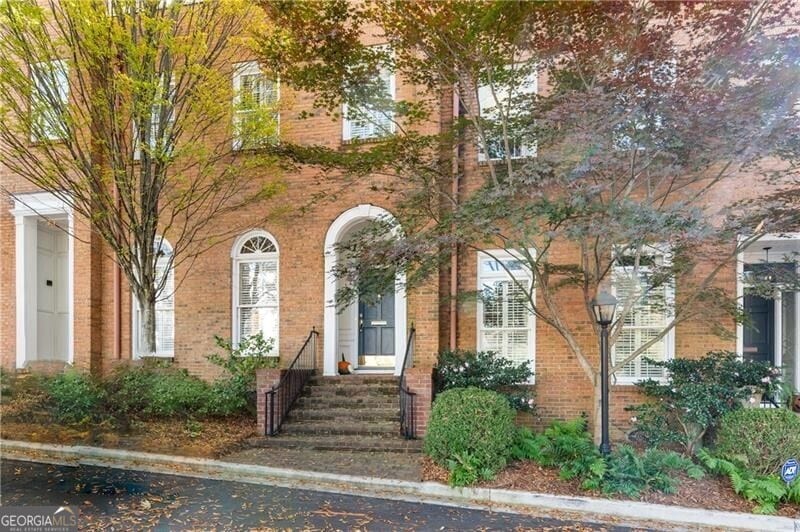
<point>604,305</point>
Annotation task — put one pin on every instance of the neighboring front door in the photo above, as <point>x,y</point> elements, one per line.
<point>376,333</point>
<point>52,310</point>
<point>759,330</point>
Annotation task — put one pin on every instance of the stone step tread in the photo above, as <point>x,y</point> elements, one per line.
<point>338,427</point>
<point>347,413</point>
<point>308,402</point>
<point>350,390</point>
<point>340,443</point>
<point>354,380</point>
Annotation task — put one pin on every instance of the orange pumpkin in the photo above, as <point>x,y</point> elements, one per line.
<point>344,366</point>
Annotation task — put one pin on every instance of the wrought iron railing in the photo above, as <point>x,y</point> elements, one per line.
<point>408,426</point>
<point>282,396</point>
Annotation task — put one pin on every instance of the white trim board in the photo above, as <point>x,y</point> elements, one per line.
<point>338,229</point>
<point>28,210</point>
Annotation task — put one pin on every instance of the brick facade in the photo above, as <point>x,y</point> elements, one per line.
<point>203,301</point>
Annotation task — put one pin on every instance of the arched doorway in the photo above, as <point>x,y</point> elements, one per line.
<point>358,327</point>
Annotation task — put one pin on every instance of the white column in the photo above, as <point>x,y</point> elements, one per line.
<point>25,280</point>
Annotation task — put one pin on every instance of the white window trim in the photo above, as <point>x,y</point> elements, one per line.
<point>741,285</point>
<point>236,258</point>
<point>62,64</point>
<point>528,152</point>
<point>347,134</point>
<point>246,68</point>
<point>135,321</point>
<point>662,252</point>
<point>501,254</point>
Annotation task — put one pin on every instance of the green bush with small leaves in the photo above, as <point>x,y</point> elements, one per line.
<point>778,438</point>
<point>488,371</point>
<point>767,491</point>
<point>75,397</point>
<point>471,433</point>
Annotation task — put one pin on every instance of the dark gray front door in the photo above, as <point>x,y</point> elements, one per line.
<point>376,332</point>
<point>759,331</point>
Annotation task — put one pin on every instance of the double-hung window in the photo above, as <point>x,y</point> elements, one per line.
<point>503,103</point>
<point>506,324</point>
<point>642,122</point>
<point>49,99</point>
<point>255,287</point>
<point>256,118</point>
<point>646,297</point>
<point>160,123</point>
<point>165,306</point>
<point>373,118</point>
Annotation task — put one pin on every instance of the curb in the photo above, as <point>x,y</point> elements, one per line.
<point>620,512</point>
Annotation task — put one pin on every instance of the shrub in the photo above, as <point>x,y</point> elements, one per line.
<point>174,393</point>
<point>778,438</point>
<point>696,394</point>
<point>235,393</point>
<point>471,432</point>
<point>75,397</point>
<point>488,371</point>
<point>631,473</point>
<point>566,445</point>
<point>128,392</point>
<point>767,491</point>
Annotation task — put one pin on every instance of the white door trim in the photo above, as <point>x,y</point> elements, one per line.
<point>779,323</point>
<point>28,210</point>
<point>336,231</point>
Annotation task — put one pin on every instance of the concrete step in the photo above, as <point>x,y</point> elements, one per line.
<point>341,427</point>
<point>394,444</point>
<point>361,413</point>
<point>336,390</point>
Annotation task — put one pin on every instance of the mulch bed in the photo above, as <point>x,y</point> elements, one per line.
<point>24,416</point>
<point>710,492</point>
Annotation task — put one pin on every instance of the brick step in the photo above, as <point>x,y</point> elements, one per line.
<point>354,380</point>
<point>395,444</point>
<point>345,401</point>
<point>336,427</point>
<point>366,390</point>
<point>363,412</point>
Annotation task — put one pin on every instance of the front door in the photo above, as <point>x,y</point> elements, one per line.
<point>376,333</point>
<point>52,309</point>
<point>759,330</point>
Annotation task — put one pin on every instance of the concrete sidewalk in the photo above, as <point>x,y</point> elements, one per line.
<point>627,513</point>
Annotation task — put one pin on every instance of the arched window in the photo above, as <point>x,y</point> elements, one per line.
<point>165,305</point>
<point>255,287</point>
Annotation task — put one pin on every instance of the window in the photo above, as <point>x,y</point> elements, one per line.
<point>255,116</point>
<point>643,124</point>
<point>650,298</point>
<point>374,119</point>
<point>159,132</point>
<point>505,322</point>
<point>255,287</point>
<point>493,106</point>
<point>49,98</point>
<point>165,305</point>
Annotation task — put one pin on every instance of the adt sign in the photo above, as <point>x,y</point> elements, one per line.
<point>790,470</point>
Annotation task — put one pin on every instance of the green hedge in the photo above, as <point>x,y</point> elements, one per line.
<point>471,432</point>
<point>75,397</point>
<point>761,439</point>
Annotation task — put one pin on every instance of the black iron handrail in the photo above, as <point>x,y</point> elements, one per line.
<point>281,397</point>
<point>408,426</point>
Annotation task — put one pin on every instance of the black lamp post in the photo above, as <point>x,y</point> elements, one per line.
<point>604,305</point>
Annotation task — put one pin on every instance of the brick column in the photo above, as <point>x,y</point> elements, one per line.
<point>420,381</point>
<point>266,378</point>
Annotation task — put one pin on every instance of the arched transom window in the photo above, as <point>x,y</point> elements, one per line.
<point>255,287</point>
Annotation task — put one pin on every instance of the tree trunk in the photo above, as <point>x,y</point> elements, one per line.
<point>147,327</point>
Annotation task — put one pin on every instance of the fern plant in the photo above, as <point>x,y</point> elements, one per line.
<point>632,473</point>
<point>767,491</point>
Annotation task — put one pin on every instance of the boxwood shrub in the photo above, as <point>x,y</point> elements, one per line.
<point>471,433</point>
<point>761,439</point>
<point>75,397</point>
